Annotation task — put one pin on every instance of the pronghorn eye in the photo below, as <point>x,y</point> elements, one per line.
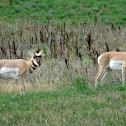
<point>34,56</point>
<point>39,56</point>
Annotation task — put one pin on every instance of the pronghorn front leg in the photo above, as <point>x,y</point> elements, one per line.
<point>22,86</point>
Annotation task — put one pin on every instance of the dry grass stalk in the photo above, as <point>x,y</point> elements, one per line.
<point>74,48</point>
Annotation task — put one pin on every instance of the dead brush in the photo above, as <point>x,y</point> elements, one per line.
<point>70,51</point>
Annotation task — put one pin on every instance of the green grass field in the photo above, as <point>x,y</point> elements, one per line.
<point>73,12</point>
<point>75,105</point>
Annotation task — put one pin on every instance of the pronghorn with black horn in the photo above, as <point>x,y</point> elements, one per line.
<point>17,68</point>
<point>111,61</point>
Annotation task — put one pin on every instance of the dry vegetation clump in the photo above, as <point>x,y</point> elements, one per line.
<point>70,51</point>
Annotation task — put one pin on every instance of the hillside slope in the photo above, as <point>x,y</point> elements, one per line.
<point>58,11</point>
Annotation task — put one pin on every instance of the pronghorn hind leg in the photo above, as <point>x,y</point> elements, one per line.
<point>22,86</point>
<point>100,73</point>
<point>104,75</point>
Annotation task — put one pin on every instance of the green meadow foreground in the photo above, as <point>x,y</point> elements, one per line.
<point>76,105</point>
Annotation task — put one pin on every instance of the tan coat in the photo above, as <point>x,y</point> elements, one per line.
<point>113,61</point>
<point>17,68</point>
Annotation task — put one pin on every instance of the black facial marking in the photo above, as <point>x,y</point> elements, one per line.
<point>37,56</point>
<point>39,63</point>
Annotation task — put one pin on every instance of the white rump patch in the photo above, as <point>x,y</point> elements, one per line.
<point>116,65</point>
<point>99,58</point>
<point>9,72</point>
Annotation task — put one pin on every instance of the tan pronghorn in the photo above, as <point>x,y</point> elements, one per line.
<point>17,68</point>
<point>111,61</point>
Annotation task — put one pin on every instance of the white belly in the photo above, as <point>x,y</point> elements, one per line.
<point>116,65</point>
<point>9,72</point>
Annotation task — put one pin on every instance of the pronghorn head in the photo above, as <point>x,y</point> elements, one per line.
<point>37,57</point>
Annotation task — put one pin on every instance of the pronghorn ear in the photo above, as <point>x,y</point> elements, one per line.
<point>39,53</point>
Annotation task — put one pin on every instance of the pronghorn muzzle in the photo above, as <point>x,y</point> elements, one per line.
<point>37,59</point>
<point>39,63</point>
